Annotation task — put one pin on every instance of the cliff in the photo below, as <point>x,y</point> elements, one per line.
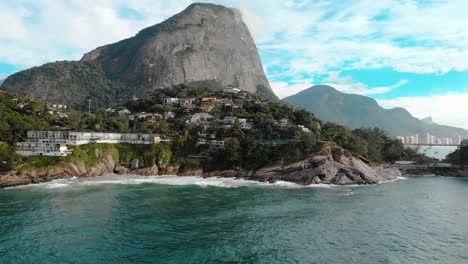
<point>330,166</point>
<point>205,44</point>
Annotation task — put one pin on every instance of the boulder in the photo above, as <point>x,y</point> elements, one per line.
<point>120,170</point>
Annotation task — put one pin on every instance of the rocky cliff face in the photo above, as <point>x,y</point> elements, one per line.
<point>62,170</point>
<point>205,44</point>
<point>330,166</point>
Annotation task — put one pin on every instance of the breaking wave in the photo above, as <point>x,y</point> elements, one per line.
<point>221,182</point>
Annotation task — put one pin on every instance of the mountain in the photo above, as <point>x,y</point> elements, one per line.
<point>1,81</point>
<point>428,120</point>
<point>206,44</point>
<point>356,111</point>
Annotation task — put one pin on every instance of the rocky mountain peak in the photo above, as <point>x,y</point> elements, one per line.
<point>205,44</point>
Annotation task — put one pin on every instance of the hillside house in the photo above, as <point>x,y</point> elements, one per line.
<point>224,103</point>
<point>207,103</point>
<point>201,118</point>
<point>169,115</point>
<point>238,103</point>
<point>282,124</point>
<point>228,121</point>
<point>231,91</point>
<point>245,123</point>
<point>213,145</point>
<point>187,103</point>
<point>124,112</point>
<point>171,100</point>
<point>304,129</point>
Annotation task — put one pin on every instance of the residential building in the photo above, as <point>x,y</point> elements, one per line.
<point>304,129</point>
<point>245,123</point>
<point>169,115</point>
<point>124,111</point>
<point>282,123</point>
<point>228,121</point>
<point>187,103</point>
<point>201,118</point>
<point>54,143</point>
<point>231,90</point>
<point>208,103</point>
<point>81,138</point>
<point>31,148</point>
<point>238,103</point>
<point>171,100</point>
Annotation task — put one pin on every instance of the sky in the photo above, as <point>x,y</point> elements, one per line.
<point>411,54</point>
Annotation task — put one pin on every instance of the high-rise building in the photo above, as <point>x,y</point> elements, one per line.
<point>428,138</point>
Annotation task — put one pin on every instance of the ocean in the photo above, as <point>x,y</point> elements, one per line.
<point>130,219</point>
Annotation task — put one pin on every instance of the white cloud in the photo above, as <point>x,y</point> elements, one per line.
<point>40,31</point>
<point>348,85</point>
<point>318,36</point>
<point>344,84</point>
<point>446,109</point>
<point>284,89</point>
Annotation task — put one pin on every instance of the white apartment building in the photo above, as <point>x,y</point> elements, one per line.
<point>54,143</point>
<point>29,148</point>
<point>81,138</point>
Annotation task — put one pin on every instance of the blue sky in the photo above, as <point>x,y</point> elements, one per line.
<point>412,54</point>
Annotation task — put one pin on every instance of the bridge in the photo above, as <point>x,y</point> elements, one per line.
<point>438,168</point>
<point>431,145</point>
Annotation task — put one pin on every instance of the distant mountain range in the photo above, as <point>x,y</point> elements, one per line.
<point>206,44</point>
<point>356,111</point>
<point>1,81</point>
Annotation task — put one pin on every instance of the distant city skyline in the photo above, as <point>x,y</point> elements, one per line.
<point>429,139</point>
<point>409,54</point>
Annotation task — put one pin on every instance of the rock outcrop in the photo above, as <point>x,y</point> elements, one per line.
<point>62,170</point>
<point>330,166</point>
<point>205,44</point>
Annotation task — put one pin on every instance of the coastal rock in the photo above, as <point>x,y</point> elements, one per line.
<point>191,172</point>
<point>170,170</point>
<point>62,170</point>
<point>120,170</point>
<point>151,171</point>
<point>330,166</point>
<point>223,173</point>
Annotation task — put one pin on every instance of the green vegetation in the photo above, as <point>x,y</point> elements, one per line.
<point>356,111</point>
<point>459,156</point>
<point>280,134</point>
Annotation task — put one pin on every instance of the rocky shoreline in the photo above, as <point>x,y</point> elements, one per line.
<point>330,166</point>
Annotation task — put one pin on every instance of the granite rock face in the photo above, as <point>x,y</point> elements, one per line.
<point>330,166</point>
<point>205,44</point>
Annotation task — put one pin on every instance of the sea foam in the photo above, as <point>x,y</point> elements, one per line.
<point>222,182</point>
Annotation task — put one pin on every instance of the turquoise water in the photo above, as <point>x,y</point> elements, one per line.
<point>193,220</point>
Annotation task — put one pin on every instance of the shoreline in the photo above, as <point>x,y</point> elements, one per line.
<point>330,166</point>
<point>8,181</point>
